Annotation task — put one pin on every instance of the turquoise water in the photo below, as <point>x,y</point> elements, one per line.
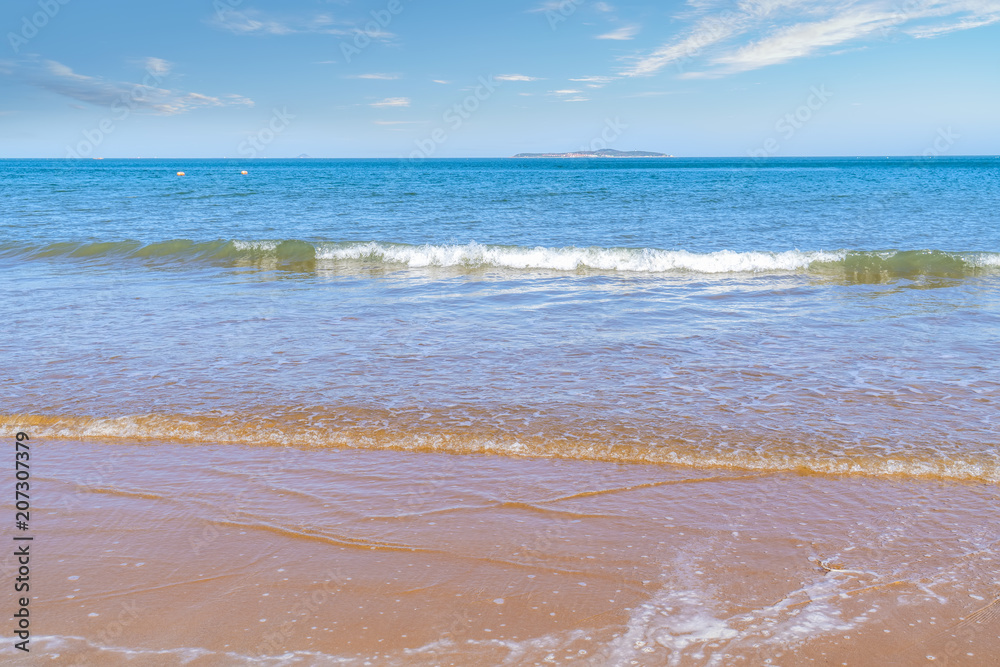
<point>836,315</point>
<point>699,205</point>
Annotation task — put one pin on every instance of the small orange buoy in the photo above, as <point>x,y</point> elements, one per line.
<point>244,173</point>
<point>180,173</point>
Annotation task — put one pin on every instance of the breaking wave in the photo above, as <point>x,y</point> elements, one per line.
<point>303,255</point>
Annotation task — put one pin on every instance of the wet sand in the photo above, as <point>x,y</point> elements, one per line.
<point>161,554</point>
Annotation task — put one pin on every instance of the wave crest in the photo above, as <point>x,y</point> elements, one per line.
<point>292,254</point>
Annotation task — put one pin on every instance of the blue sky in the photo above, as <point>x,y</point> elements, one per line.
<point>442,78</point>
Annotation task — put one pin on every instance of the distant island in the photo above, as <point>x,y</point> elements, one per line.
<point>604,152</point>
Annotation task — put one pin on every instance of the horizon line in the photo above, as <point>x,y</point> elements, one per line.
<point>513,157</point>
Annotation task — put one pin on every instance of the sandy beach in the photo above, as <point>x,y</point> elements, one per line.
<point>160,553</point>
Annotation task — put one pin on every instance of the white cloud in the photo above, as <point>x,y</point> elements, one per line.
<point>516,77</point>
<point>157,66</point>
<point>145,95</point>
<point>392,102</point>
<point>379,76</point>
<point>256,22</point>
<point>759,33</point>
<point>965,24</point>
<point>253,21</point>
<point>553,6</point>
<point>622,33</point>
<point>565,92</point>
<point>653,93</point>
<point>239,99</point>
<point>804,39</point>
<point>707,32</point>
<point>595,81</point>
<point>440,81</point>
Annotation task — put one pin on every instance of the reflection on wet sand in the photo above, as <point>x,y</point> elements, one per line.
<point>164,553</point>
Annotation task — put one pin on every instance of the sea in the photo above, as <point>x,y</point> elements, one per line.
<point>835,315</point>
<point>831,321</point>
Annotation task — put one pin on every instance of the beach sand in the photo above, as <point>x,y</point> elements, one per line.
<point>159,553</point>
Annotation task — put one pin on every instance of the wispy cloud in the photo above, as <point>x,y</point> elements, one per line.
<point>653,93</point>
<point>378,75</point>
<point>256,22</point>
<point>551,6</point>
<point>392,102</point>
<point>595,81</point>
<point>570,95</point>
<point>964,24</point>
<point>400,122</point>
<point>157,66</point>
<point>440,81</point>
<point>804,39</point>
<point>623,33</point>
<point>146,94</point>
<point>759,33</point>
<point>706,32</point>
<point>516,77</point>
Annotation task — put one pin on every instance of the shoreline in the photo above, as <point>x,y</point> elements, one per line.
<point>377,430</point>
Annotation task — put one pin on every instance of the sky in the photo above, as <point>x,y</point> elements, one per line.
<point>443,78</point>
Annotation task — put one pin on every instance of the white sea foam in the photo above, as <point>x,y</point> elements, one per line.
<point>258,246</point>
<point>683,624</point>
<point>864,265</point>
<point>646,260</point>
<point>87,651</point>
<point>983,466</point>
<point>984,259</point>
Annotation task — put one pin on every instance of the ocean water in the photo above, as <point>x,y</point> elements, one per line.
<point>831,315</point>
<point>522,412</point>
